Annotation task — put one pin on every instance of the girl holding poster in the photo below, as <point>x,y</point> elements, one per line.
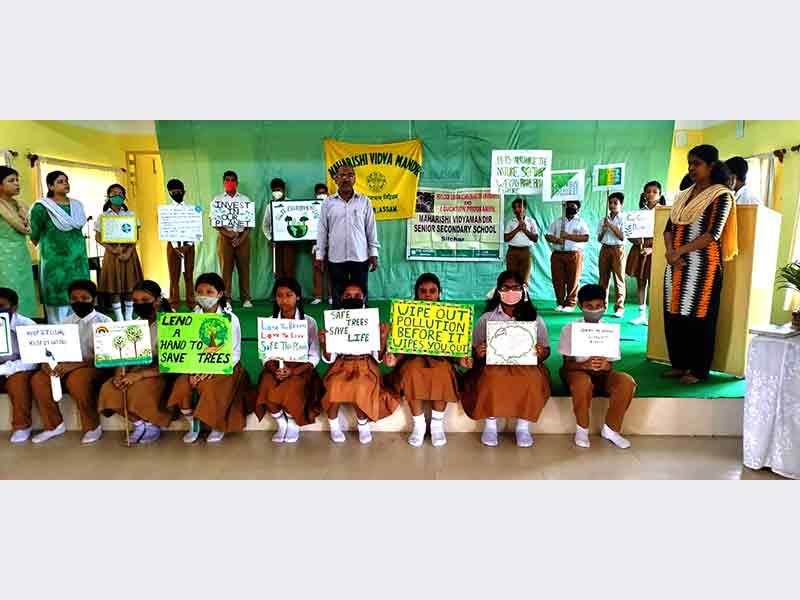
<point>356,378</point>
<point>291,391</point>
<point>146,387</point>
<point>220,398</point>
<point>511,390</point>
<point>121,266</point>
<point>420,378</point>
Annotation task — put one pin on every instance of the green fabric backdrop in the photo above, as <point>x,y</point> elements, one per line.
<point>455,154</point>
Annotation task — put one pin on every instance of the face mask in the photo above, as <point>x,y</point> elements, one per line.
<point>82,309</point>
<point>321,196</point>
<point>353,303</point>
<point>144,309</point>
<point>117,200</point>
<point>5,311</point>
<point>592,316</point>
<point>277,195</point>
<point>511,297</point>
<point>571,211</point>
<point>207,302</point>
<point>177,196</point>
<point>230,186</point>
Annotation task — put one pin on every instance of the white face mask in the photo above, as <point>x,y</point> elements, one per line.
<point>277,195</point>
<point>207,302</point>
<point>321,196</point>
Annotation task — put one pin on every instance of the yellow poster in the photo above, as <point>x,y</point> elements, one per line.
<point>432,328</point>
<point>387,173</point>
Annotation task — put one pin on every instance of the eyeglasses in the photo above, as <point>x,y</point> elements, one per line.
<point>513,288</point>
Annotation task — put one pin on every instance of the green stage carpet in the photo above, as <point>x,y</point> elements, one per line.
<point>634,345</point>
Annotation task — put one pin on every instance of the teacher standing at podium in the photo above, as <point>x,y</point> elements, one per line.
<point>700,235</point>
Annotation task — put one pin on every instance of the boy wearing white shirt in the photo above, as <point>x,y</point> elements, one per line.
<point>611,234</point>
<point>15,374</point>
<point>743,194</point>
<point>233,243</point>
<point>568,236</point>
<point>284,253</point>
<point>180,252</point>
<point>585,375</point>
<point>521,234</point>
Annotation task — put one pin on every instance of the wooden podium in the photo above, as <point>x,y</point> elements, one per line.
<point>748,282</point>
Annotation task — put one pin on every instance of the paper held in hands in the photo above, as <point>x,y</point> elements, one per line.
<point>5,335</point>
<point>51,344</point>
<point>595,339</point>
<point>352,331</point>
<point>282,340</point>
<point>511,343</point>
<point>122,344</point>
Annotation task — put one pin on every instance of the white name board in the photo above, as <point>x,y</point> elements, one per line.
<point>352,331</point>
<point>295,220</point>
<point>595,339</point>
<point>232,214</point>
<point>180,223</point>
<point>46,343</point>
<point>282,339</point>
<point>567,185</point>
<point>522,172</point>
<point>5,335</point>
<point>511,343</point>
<point>639,223</point>
<point>118,230</point>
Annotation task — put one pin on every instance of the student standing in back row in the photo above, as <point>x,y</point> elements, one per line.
<point>321,276</point>
<point>521,234</point>
<point>180,256</point>
<point>611,234</point>
<point>568,236</point>
<point>233,243</point>
<point>640,256</point>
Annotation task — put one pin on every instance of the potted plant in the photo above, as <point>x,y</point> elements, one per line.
<point>789,278</point>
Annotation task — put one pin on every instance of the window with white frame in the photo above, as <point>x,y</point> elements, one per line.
<point>760,176</point>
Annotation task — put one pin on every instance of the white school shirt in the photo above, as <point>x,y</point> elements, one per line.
<point>565,343</point>
<point>313,337</point>
<point>178,243</point>
<point>347,230</point>
<point>9,365</point>
<point>479,332</point>
<point>86,331</point>
<point>574,226</point>
<point>745,195</point>
<point>110,213</point>
<point>520,240</point>
<point>236,331</point>
<point>609,239</point>
<point>237,196</point>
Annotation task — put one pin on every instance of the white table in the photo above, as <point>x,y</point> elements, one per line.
<point>771,432</point>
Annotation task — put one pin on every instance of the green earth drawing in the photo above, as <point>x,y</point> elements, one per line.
<point>297,229</point>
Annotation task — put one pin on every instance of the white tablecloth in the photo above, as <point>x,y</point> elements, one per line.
<point>771,436</point>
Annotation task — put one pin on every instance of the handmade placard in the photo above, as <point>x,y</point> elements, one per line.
<point>180,223</point>
<point>595,339</point>
<point>639,223</point>
<point>49,343</point>
<point>352,331</point>
<point>122,343</point>
<point>232,214</point>
<point>282,339</point>
<point>5,335</point>
<point>118,230</point>
<point>608,178</point>
<point>295,220</point>
<point>522,172</point>
<point>567,185</point>
<point>511,343</point>
<point>431,328</point>
<point>195,343</point>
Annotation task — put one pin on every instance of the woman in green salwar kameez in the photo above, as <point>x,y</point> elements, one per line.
<point>15,259</point>
<point>56,227</point>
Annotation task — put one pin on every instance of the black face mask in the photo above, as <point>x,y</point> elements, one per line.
<point>177,196</point>
<point>82,309</point>
<point>571,211</point>
<point>352,303</point>
<point>144,309</point>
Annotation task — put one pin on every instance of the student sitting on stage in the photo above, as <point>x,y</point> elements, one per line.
<point>81,380</point>
<point>420,378</point>
<point>220,401</point>
<point>585,375</point>
<point>291,393</point>
<point>356,379</point>
<point>15,375</point>
<point>519,391</point>
<point>147,389</point>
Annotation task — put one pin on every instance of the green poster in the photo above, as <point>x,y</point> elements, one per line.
<point>195,343</point>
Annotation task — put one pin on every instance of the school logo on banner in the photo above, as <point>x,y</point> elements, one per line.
<point>387,173</point>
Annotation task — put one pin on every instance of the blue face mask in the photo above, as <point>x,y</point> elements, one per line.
<point>117,200</point>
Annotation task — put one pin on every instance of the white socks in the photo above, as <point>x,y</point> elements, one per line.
<point>190,437</point>
<point>337,435</point>
<point>128,310</point>
<point>280,433</point>
<point>364,433</point>
<point>215,436</point>
<point>292,430</point>
<point>489,435</point>
<point>90,437</point>
<point>20,436</point>
<point>117,307</point>
<point>524,437</point>
<point>437,429</point>
<point>47,434</point>
<point>581,437</point>
<point>615,438</point>
<point>418,433</point>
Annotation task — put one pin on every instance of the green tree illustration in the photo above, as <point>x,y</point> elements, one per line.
<point>135,335</point>
<point>119,343</point>
<point>214,332</point>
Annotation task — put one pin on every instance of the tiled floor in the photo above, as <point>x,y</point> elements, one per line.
<point>251,455</point>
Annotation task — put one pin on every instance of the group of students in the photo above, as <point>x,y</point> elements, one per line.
<point>294,394</point>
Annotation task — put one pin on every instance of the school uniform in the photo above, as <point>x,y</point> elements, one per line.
<point>118,276</point>
<point>746,195</point>
<point>221,401</point>
<point>357,379</point>
<point>431,378</point>
<point>82,384</point>
<point>519,391</point>
<point>180,253</point>
<point>612,252</point>
<point>518,254</point>
<point>619,387</point>
<point>320,278</point>
<point>638,265</point>
<point>238,256</point>
<point>566,261</point>
<point>15,377</point>
<point>147,398</point>
<point>298,395</point>
<point>285,252</point>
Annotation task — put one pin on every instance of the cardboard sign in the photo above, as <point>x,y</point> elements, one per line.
<point>282,339</point>
<point>511,343</point>
<point>432,328</point>
<point>118,230</point>
<point>522,172</point>
<point>5,335</point>
<point>49,343</point>
<point>295,220</point>
<point>195,343</point>
<point>352,331</point>
<point>122,343</point>
<point>180,223</point>
<point>608,178</point>
<point>567,185</point>
<point>233,214</point>
<point>639,223</point>
<point>595,339</point>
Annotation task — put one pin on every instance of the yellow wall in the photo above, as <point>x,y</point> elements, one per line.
<point>678,157</point>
